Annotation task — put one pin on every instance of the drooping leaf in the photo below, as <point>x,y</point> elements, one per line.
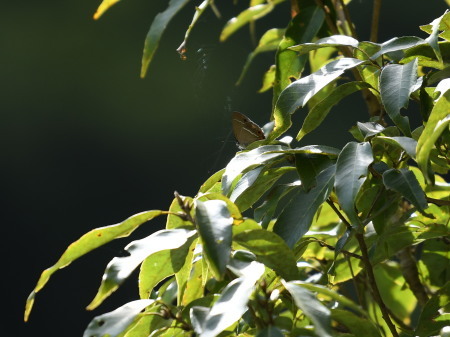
<point>214,225</point>
<point>296,217</point>
<point>302,28</point>
<point>246,160</point>
<point>246,16</point>
<point>409,145</point>
<point>270,250</point>
<point>119,268</point>
<point>156,31</point>
<point>87,243</point>
<point>297,94</point>
<point>330,41</point>
<point>318,113</point>
<point>397,82</point>
<point>115,322</point>
<point>351,172</point>
<point>398,44</point>
<point>268,42</point>
<point>405,182</point>
<point>319,314</point>
<point>232,303</point>
<point>437,122</point>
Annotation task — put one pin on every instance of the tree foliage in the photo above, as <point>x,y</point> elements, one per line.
<point>334,242</point>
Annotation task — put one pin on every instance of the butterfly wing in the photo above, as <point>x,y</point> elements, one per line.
<point>245,131</point>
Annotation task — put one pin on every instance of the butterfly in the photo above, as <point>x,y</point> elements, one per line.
<point>245,131</point>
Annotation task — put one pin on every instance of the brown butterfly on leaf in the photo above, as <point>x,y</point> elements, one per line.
<point>245,131</point>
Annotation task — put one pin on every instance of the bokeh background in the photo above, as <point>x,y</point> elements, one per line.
<point>86,143</point>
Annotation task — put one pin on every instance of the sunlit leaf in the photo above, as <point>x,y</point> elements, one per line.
<point>357,326</point>
<point>433,39</point>
<point>351,172</point>
<point>119,268</point>
<point>211,181</point>
<point>157,29</point>
<point>103,7</point>
<point>397,82</point>
<point>268,80</point>
<point>297,94</point>
<point>214,225</point>
<point>397,44</point>
<point>115,322</point>
<point>409,145</point>
<point>309,166</point>
<point>330,41</point>
<point>87,243</point>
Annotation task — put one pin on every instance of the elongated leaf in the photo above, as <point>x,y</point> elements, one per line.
<point>433,39</point>
<point>270,250</point>
<point>319,314</point>
<point>296,218</point>
<point>351,172</point>
<point>302,28</point>
<point>245,160</point>
<point>87,243</point>
<point>318,113</point>
<point>297,94</point>
<point>115,322</point>
<point>246,16</point>
<point>211,181</point>
<point>270,331</point>
<point>330,41</point>
<point>119,268</point>
<point>409,145</point>
<point>268,42</point>
<point>214,226</point>
<point>157,28</point>
<point>309,166</point>
<point>262,184</point>
<point>369,129</point>
<point>357,326</point>
<point>397,82</point>
<point>437,122</point>
<point>103,7</point>
<point>396,44</point>
<point>232,303</point>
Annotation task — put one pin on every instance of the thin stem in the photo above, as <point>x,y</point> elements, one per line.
<point>339,214</point>
<point>375,20</point>
<point>348,19</point>
<point>373,284</point>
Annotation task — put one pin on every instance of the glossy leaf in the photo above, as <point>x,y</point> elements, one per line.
<point>249,159</point>
<point>232,303</point>
<point>270,250</point>
<point>437,122</point>
<point>103,7</point>
<point>296,217</point>
<point>268,42</point>
<point>405,182</point>
<point>397,82</point>
<point>119,268</point>
<point>211,181</point>
<point>318,113</point>
<point>214,225</point>
<point>115,322</point>
<point>433,39</point>
<point>319,314</point>
<point>87,243</point>
<point>369,129</point>
<point>407,144</point>
<point>156,31</point>
<point>397,44</point>
<point>297,94</point>
<point>351,172</point>
<point>309,166</point>
<point>330,41</point>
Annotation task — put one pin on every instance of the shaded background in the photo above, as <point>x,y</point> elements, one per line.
<point>87,143</point>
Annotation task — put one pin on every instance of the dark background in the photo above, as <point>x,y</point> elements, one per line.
<point>86,143</point>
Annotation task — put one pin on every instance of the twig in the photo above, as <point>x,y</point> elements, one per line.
<point>373,284</point>
<point>375,20</point>
<point>348,19</point>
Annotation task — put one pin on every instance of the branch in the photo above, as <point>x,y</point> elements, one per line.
<point>375,20</point>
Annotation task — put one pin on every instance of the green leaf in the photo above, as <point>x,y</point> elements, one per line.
<point>433,39</point>
<point>246,194</point>
<point>302,28</point>
<point>249,159</point>
<point>246,16</point>
<point>119,268</point>
<point>318,113</point>
<point>404,182</point>
<point>435,257</point>
<point>318,313</point>
<point>157,28</point>
<point>268,42</point>
<point>409,145</point>
<point>270,331</point>
<point>103,7</point>
<point>88,242</point>
<point>309,166</point>
<point>397,82</point>
<point>214,225</point>
<point>232,303</point>
<point>351,172</point>
<point>115,322</point>
<point>211,181</point>
<point>270,250</point>
<point>427,57</point>
<point>437,122</point>
<point>175,221</point>
<point>369,129</point>
<point>297,94</point>
<point>330,41</point>
<point>268,79</point>
<point>357,326</point>
<point>297,216</point>
<point>398,44</point>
